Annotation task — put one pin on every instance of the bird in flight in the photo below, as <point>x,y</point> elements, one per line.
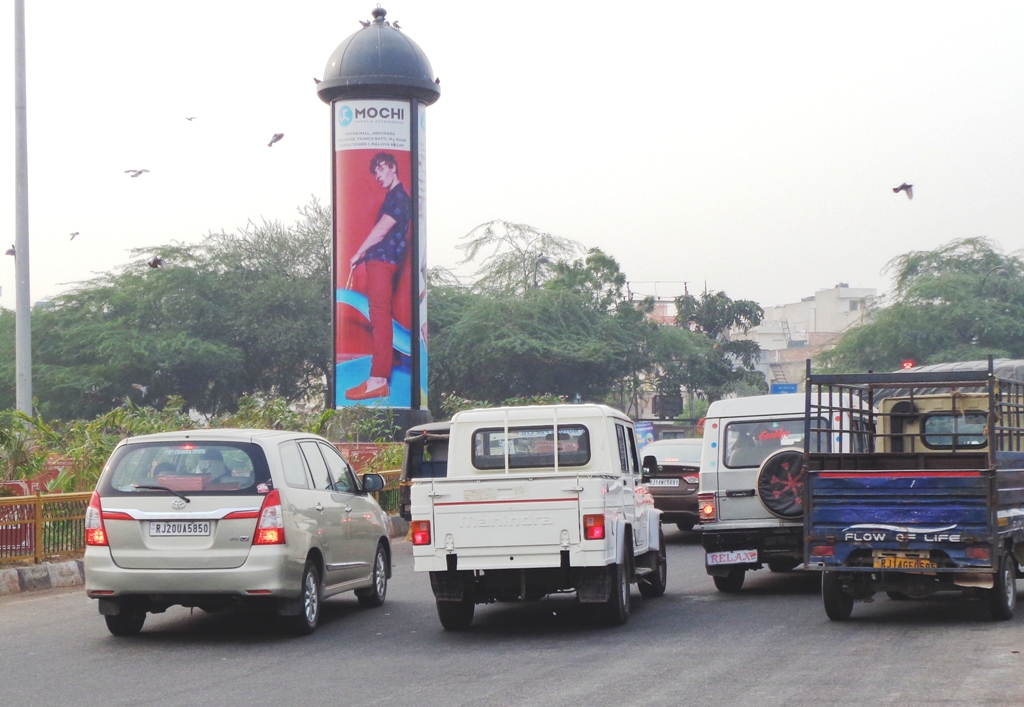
<point>135,172</point>
<point>155,262</point>
<point>141,388</point>
<point>908,188</point>
<point>277,138</point>
<point>192,118</point>
<point>73,235</point>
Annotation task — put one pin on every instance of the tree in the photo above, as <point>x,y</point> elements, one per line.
<point>513,255</point>
<point>239,314</point>
<point>961,301</point>
<point>724,364</point>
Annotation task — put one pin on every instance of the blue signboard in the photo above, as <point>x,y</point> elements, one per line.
<point>779,388</point>
<point>644,433</point>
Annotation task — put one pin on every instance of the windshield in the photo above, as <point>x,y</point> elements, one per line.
<point>193,468</point>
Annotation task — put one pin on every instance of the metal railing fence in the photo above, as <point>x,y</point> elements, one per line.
<point>42,525</point>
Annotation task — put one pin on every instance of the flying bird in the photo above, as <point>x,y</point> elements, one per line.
<point>192,118</point>
<point>73,235</point>
<point>316,80</point>
<point>135,172</point>
<point>277,138</point>
<point>155,262</point>
<point>908,188</point>
<point>364,23</point>
<point>141,388</point>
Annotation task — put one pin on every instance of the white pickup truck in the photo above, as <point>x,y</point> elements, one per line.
<point>538,500</point>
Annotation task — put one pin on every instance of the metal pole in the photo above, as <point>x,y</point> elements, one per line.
<point>23,306</point>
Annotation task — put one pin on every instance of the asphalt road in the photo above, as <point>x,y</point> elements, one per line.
<point>769,645</point>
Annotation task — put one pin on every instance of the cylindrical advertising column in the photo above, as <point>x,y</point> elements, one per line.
<point>378,83</point>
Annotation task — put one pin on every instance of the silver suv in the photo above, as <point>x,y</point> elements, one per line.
<point>210,518</point>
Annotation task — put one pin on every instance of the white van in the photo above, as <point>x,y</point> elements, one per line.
<point>750,498</point>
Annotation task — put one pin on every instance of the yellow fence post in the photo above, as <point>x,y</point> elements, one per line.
<point>39,526</point>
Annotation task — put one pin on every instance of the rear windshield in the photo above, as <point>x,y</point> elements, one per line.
<point>194,468</point>
<point>674,454</point>
<point>531,447</point>
<point>749,443</point>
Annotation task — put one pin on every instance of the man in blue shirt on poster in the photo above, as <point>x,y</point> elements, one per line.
<point>383,254</point>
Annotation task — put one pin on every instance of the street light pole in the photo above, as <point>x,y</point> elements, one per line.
<point>22,307</point>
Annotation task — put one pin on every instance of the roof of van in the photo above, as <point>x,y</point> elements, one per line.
<point>779,404</point>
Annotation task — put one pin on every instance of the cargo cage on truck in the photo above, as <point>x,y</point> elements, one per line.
<point>930,496</point>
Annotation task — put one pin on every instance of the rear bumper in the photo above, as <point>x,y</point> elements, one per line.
<point>268,570</point>
<point>770,543</point>
<point>676,507</point>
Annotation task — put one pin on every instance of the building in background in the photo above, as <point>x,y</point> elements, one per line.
<point>789,334</point>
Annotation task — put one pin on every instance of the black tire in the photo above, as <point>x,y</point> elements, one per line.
<point>685,525</point>
<point>374,596</point>
<point>616,610</point>
<point>782,565</point>
<point>1002,597</point>
<point>456,615</point>
<point>780,483</point>
<point>653,584</point>
<point>310,599</point>
<point>838,604</point>
<point>129,622</point>
<point>732,582</point>
<point>897,596</point>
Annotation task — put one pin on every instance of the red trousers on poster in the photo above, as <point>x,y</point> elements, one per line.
<point>380,290</point>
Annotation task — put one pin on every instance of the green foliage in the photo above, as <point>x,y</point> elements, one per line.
<point>243,314</point>
<point>962,301</point>
<point>513,255</point>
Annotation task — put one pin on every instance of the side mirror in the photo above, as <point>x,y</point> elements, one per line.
<point>650,464</point>
<point>373,482</point>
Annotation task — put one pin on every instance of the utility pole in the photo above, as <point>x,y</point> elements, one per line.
<point>23,306</point>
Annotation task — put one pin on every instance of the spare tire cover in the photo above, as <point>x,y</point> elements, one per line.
<point>780,483</point>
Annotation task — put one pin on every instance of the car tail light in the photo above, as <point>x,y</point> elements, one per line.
<point>421,532</point>
<point>706,507</point>
<point>593,526</point>
<point>822,551</point>
<point>700,426</point>
<point>95,533</point>
<point>270,530</point>
<point>691,479</point>
<point>979,552</point>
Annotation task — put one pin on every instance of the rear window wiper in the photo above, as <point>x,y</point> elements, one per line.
<point>182,496</point>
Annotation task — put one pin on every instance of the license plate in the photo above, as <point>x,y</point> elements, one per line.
<point>663,482</point>
<point>902,563</point>
<point>735,557</point>
<point>178,528</point>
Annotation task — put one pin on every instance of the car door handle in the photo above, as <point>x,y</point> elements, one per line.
<point>319,507</point>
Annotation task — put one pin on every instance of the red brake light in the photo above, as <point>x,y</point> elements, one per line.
<point>706,507</point>
<point>593,526</point>
<point>95,533</point>
<point>691,479</point>
<point>822,551</point>
<point>979,552</point>
<point>421,532</point>
<point>270,529</point>
<point>700,426</point>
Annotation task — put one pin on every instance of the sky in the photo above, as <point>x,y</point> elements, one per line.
<point>747,147</point>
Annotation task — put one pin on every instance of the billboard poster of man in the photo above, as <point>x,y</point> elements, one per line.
<point>373,241</point>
